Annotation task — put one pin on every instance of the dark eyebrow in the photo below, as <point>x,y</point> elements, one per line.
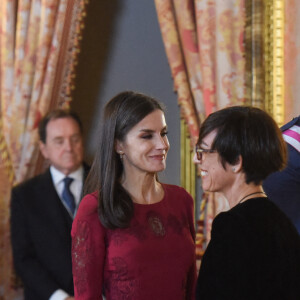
<point>151,131</point>
<point>147,130</point>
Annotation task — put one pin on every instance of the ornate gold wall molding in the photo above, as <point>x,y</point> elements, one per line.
<point>254,70</point>
<point>264,52</point>
<point>274,58</point>
<point>188,168</point>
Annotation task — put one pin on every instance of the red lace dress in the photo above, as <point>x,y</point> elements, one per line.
<point>152,259</point>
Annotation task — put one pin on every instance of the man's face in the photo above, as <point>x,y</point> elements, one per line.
<point>63,147</point>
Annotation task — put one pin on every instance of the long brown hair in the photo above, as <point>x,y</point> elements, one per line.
<point>121,114</point>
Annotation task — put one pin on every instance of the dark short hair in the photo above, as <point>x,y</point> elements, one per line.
<point>248,132</point>
<point>121,114</point>
<point>54,115</point>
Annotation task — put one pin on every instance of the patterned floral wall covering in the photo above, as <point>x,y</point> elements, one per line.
<point>291,59</point>
<point>39,42</point>
<point>204,45</point>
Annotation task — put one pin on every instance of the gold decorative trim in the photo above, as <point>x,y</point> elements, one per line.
<point>188,168</point>
<point>64,85</point>
<point>254,71</point>
<point>274,58</point>
<point>4,156</point>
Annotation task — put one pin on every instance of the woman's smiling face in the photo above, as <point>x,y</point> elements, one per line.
<point>146,145</point>
<point>215,178</point>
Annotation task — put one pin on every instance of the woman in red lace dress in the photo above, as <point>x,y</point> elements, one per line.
<point>133,236</point>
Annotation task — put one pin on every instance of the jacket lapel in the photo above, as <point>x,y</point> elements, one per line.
<point>56,211</point>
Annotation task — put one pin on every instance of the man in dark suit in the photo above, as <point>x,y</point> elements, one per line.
<point>284,187</point>
<point>43,208</point>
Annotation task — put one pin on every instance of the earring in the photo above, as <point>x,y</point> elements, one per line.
<point>121,155</point>
<point>233,169</point>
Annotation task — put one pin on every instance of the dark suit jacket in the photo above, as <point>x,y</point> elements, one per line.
<point>41,238</point>
<point>283,187</point>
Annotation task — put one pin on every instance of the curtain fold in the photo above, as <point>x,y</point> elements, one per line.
<point>184,82</point>
<point>39,43</point>
<point>204,43</point>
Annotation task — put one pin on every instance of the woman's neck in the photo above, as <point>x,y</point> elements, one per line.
<point>143,188</point>
<point>243,193</point>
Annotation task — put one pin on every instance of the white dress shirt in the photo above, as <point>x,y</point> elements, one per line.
<point>75,187</point>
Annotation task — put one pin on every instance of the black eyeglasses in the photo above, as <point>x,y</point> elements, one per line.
<point>199,152</point>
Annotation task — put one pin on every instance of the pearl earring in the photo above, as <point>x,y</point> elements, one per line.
<point>233,170</point>
<point>121,155</point>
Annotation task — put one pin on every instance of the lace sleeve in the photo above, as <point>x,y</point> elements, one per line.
<point>88,252</point>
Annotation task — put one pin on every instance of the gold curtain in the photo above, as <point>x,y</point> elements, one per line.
<point>181,57</point>
<point>204,43</point>
<point>39,42</point>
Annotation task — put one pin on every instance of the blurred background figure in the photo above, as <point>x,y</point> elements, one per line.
<point>283,187</point>
<point>43,208</point>
<point>254,251</point>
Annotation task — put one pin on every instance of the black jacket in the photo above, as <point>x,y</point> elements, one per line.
<point>254,253</point>
<point>41,238</point>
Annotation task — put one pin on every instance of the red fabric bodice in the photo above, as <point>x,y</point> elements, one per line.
<point>152,259</point>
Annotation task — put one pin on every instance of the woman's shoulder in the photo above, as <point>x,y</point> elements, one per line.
<point>89,204</point>
<point>87,218</point>
<point>254,212</point>
<point>259,207</point>
<point>176,192</point>
<point>175,189</point>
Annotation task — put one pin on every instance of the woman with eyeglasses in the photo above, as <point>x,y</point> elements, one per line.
<point>133,236</point>
<point>254,251</point>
